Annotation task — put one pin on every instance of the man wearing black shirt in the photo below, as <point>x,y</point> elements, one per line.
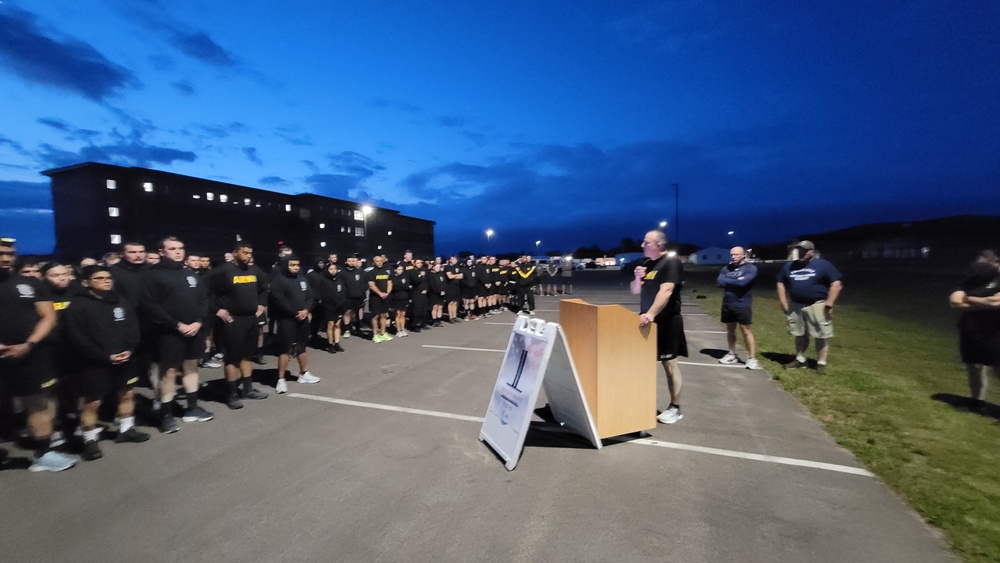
<point>526,273</point>
<point>355,287</point>
<point>239,295</point>
<point>291,300</point>
<point>176,303</point>
<point>658,284</point>
<point>979,325</point>
<point>454,275</point>
<point>26,369</point>
<point>380,287</point>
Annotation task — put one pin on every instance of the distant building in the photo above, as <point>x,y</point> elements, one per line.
<point>710,255</point>
<point>100,206</point>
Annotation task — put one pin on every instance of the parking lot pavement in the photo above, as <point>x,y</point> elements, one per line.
<point>381,461</point>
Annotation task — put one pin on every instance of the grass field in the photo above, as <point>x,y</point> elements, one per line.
<point>891,392</point>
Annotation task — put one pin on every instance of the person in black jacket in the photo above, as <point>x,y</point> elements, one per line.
<point>129,278</point>
<point>103,331</point>
<point>355,286</point>
<point>399,299</point>
<point>453,272</point>
<point>419,295</point>
<point>527,276</point>
<point>470,287</point>
<point>176,304</point>
<point>436,291</point>
<point>291,300</point>
<point>238,295</point>
<point>332,295</point>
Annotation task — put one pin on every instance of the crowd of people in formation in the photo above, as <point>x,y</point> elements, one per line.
<point>76,339</point>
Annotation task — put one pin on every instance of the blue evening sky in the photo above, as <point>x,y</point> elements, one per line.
<point>565,121</point>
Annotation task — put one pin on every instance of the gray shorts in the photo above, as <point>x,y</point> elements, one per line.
<point>811,318</point>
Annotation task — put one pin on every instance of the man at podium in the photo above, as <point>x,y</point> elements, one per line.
<point>658,282</point>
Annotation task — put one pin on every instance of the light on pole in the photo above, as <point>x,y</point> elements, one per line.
<point>489,235</point>
<point>663,224</point>
<point>537,242</point>
<point>366,210</point>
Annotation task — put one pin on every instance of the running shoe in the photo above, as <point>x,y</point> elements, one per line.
<point>729,359</point>
<point>752,363</point>
<point>53,461</point>
<point>281,388</point>
<point>131,436</point>
<point>197,414</point>
<point>91,451</point>
<point>254,394</point>
<point>169,424</point>
<point>308,377</point>
<point>671,415</point>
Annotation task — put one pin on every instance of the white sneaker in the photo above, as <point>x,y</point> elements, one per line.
<point>346,334</point>
<point>53,461</point>
<point>402,333</point>
<point>752,363</point>
<point>670,416</point>
<point>281,388</point>
<point>729,359</point>
<point>308,378</point>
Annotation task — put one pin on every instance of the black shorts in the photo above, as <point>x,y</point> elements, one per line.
<point>239,338</point>
<point>740,315</point>
<point>174,348</point>
<point>482,291</point>
<point>377,305</point>
<point>979,346</point>
<point>399,304</point>
<point>353,304</point>
<point>94,382</point>
<point>332,312</point>
<point>468,292</point>
<point>670,339</point>
<point>452,292</point>
<point>293,335</point>
<point>434,299</point>
<point>33,374</point>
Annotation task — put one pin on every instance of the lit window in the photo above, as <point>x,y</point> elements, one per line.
<point>322,225</point>
<point>288,207</point>
<point>112,185</point>
<point>116,239</point>
<point>322,244</point>
<point>196,196</point>
<point>389,233</point>
<point>147,186</point>
<point>258,204</point>
<point>112,212</point>
<point>223,198</point>
<point>359,215</point>
<point>359,231</point>
<point>380,247</point>
<point>209,196</point>
<point>246,201</point>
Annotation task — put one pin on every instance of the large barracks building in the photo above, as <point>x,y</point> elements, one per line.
<point>100,206</point>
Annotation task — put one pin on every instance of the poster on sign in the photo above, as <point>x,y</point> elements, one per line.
<point>527,359</point>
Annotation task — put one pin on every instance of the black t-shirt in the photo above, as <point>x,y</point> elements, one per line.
<point>18,317</point>
<point>980,320</point>
<point>658,272</point>
<point>380,276</point>
<point>453,270</point>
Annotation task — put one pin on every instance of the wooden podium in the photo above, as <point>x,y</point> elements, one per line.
<point>616,363</point>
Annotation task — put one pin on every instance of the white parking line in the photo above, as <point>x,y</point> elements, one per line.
<point>704,331</point>
<point>461,348</point>
<point>640,441</point>
<point>715,365</point>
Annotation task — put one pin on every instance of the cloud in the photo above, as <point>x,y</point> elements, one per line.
<point>195,43</point>
<point>184,87</point>
<point>62,63</point>
<point>333,185</point>
<point>354,164</point>
<point>294,135</point>
<point>251,154</point>
<point>134,153</point>
<point>274,181</point>
<point>198,45</point>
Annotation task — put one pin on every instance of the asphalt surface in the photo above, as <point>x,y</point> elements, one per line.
<point>381,461</point>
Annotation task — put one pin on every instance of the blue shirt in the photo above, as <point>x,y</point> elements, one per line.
<point>808,282</point>
<point>737,283</point>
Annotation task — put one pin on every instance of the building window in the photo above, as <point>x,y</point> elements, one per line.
<point>322,244</point>
<point>288,207</point>
<point>112,212</point>
<point>322,225</point>
<point>359,231</point>
<point>209,196</point>
<point>389,233</point>
<point>112,185</point>
<point>196,196</point>
<point>223,198</point>
<point>116,239</point>
<point>359,215</point>
<point>147,186</point>
<point>246,201</point>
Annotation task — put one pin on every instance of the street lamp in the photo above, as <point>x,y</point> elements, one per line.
<point>489,235</point>
<point>663,224</point>
<point>537,242</point>
<point>366,210</point>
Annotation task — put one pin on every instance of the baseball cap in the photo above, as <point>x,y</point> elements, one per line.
<point>806,245</point>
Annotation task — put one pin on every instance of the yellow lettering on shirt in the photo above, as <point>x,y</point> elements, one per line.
<point>48,384</point>
<point>650,276</point>
<point>60,305</point>
<point>526,274</point>
<point>245,279</point>
<point>381,277</point>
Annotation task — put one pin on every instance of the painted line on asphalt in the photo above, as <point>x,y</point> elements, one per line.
<point>504,324</point>
<point>704,331</point>
<point>387,407</point>
<point>461,348</point>
<point>755,457</point>
<point>639,441</point>
<point>715,365</point>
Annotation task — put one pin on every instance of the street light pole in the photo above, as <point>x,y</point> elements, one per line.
<point>489,235</point>
<point>677,213</point>
<point>537,242</point>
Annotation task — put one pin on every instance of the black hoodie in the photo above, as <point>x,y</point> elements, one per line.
<point>290,293</point>
<point>331,290</point>
<point>173,294</point>
<point>237,289</point>
<point>99,326</point>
